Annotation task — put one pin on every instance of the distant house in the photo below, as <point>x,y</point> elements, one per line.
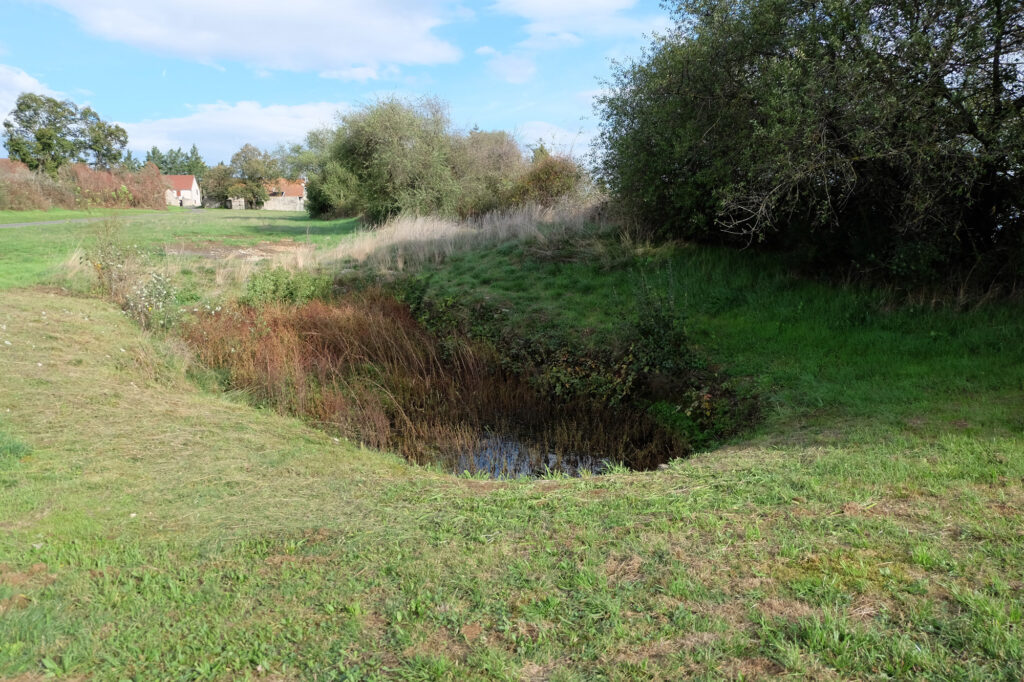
<point>282,195</point>
<point>285,195</point>
<point>182,190</point>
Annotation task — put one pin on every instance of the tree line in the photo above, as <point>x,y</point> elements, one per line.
<point>877,137</point>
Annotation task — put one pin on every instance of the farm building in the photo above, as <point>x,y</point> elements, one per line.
<point>183,190</point>
<point>282,195</point>
<point>285,195</point>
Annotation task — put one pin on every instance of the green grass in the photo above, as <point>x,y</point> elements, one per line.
<point>8,217</point>
<point>817,353</point>
<point>30,255</point>
<point>870,529</point>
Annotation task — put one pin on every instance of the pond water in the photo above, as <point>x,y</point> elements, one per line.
<point>507,457</point>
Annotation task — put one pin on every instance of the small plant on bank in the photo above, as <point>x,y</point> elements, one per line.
<point>114,261</point>
<point>282,286</point>
<point>152,303</point>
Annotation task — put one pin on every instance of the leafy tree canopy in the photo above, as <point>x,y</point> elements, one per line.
<point>46,133</point>
<point>177,162</point>
<point>884,135</point>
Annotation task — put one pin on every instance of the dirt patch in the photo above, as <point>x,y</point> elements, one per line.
<point>439,641</point>
<point>623,569</point>
<point>654,650</point>
<point>481,487</point>
<point>786,609</point>
<point>531,672</point>
<point>35,576</point>
<point>221,251</point>
<point>471,631</point>
<point>751,669</point>
<point>18,601</point>
<point>866,608</point>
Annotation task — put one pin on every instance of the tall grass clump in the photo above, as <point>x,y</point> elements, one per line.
<point>407,241</point>
<point>404,158</point>
<point>363,367</point>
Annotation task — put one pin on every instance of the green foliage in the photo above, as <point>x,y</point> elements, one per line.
<point>177,162</point>
<point>284,286</point>
<point>253,169</point>
<point>547,179</point>
<point>397,157</point>
<point>217,183</point>
<point>885,136</point>
<point>45,133</point>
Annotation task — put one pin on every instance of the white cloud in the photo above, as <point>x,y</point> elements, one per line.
<point>362,73</point>
<point>220,129</point>
<point>556,138</point>
<point>511,68</point>
<point>564,23</point>
<point>320,35</point>
<point>13,82</point>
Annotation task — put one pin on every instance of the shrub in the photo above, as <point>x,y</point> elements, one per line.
<point>282,286</point>
<point>115,262</point>
<point>882,136</point>
<point>400,158</point>
<point>548,179</point>
<point>78,186</point>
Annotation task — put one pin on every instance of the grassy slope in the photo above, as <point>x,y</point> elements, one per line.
<point>155,531</point>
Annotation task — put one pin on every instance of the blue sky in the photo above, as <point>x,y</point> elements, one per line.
<point>222,73</point>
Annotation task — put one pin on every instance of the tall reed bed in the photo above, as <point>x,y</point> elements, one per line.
<point>363,367</point>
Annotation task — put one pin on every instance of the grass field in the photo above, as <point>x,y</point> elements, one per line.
<point>34,254</point>
<point>869,528</point>
<point>9,217</point>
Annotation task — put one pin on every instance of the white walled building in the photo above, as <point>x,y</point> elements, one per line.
<point>183,190</point>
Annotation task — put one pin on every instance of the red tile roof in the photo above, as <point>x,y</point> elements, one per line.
<point>179,183</point>
<point>290,188</point>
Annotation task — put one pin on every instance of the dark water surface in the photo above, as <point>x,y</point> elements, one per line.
<point>503,456</point>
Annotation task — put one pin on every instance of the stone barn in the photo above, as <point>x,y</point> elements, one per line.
<point>285,195</point>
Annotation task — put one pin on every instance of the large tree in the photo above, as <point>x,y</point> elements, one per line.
<point>253,170</point>
<point>887,135</point>
<point>47,133</point>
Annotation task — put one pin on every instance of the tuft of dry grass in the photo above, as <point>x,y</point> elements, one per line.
<point>412,240</point>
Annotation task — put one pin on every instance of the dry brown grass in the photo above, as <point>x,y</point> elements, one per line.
<point>411,240</point>
<point>363,367</point>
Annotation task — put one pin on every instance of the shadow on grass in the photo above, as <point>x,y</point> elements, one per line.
<point>298,226</point>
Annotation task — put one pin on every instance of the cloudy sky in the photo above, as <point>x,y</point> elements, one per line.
<point>222,73</point>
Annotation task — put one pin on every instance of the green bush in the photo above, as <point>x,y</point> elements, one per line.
<point>282,286</point>
<point>882,136</point>
<point>396,157</point>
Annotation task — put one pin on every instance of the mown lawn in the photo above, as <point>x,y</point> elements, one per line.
<point>34,254</point>
<point>869,528</point>
<point>9,217</point>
